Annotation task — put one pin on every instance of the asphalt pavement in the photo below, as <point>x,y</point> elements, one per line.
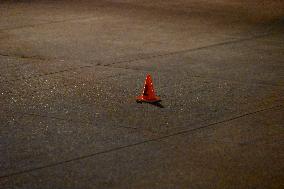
<point>70,72</point>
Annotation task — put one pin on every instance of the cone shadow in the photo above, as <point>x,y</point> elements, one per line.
<point>158,104</point>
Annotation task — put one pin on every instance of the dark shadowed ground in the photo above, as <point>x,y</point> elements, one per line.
<point>70,71</point>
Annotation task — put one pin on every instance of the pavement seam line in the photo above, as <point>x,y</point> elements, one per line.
<point>193,49</point>
<point>136,144</point>
<point>142,58</point>
<point>46,23</point>
<point>200,76</point>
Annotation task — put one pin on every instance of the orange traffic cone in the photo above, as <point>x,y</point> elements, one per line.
<point>148,94</point>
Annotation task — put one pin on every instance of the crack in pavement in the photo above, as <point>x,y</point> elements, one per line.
<point>138,143</point>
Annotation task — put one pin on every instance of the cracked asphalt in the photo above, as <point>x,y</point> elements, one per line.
<point>70,72</point>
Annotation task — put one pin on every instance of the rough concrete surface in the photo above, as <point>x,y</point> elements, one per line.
<point>70,71</point>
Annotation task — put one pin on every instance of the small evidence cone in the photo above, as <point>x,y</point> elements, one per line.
<point>148,94</point>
